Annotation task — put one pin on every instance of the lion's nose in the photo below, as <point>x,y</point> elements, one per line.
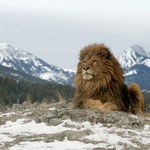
<point>86,68</point>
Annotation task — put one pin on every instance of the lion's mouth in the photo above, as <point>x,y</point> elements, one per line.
<point>87,76</point>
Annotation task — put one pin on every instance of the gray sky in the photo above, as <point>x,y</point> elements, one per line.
<point>56,30</point>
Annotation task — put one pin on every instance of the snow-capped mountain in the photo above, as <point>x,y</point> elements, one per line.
<point>25,62</point>
<point>136,65</point>
<point>134,55</point>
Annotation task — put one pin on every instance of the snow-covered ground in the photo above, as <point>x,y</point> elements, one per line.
<point>21,130</point>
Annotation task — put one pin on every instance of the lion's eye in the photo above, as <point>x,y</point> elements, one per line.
<point>84,62</point>
<point>94,62</point>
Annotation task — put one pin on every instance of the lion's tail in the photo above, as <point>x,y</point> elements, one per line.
<point>137,100</point>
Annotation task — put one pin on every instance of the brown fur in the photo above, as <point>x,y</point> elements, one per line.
<point>100,84</point>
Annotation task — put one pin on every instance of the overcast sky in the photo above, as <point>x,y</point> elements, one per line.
<point>56,30</point>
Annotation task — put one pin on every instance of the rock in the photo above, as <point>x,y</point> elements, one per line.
<point>74,122</point>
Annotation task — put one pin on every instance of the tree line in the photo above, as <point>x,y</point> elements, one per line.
<point>13,91</point>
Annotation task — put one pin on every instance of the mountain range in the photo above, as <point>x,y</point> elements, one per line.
<point>21,65</point>
<point>24,64</point>
<point>135,62</point>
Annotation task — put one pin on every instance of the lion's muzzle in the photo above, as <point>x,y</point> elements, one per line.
<point>87,73</point>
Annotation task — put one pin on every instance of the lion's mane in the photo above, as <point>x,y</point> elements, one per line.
<point>107,83</point>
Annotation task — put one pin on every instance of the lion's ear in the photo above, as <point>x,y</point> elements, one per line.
<point>102,54</point>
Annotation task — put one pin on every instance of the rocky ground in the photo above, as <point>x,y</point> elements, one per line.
<point>23,127</point>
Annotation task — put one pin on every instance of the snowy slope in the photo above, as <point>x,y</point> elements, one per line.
<point>134,55</point>
<point>23,61</point>
<point>136,65</point>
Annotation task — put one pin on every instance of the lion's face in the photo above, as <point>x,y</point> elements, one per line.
<point>90,68</point>
<point>92,62</point>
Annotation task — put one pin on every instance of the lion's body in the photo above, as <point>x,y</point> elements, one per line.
<point>100,84</point>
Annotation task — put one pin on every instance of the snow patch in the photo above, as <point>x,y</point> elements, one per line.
<point>131,72</point>
<point>104,137</point>
<point>7,114</point>
<point>53,108</point>
<point>146,62</point>
<point>56,145</point>
<point>22,126</point>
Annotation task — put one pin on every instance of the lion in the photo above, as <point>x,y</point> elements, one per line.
<point>99,83</point>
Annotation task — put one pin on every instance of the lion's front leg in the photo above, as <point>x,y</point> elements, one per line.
<point>93,104</point>
<point>103,107</point>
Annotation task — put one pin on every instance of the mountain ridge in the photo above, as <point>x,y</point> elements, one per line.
<point>23,61</point>
<point>135,62</point>
<point>20,76</point>
<point>134,55</point>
